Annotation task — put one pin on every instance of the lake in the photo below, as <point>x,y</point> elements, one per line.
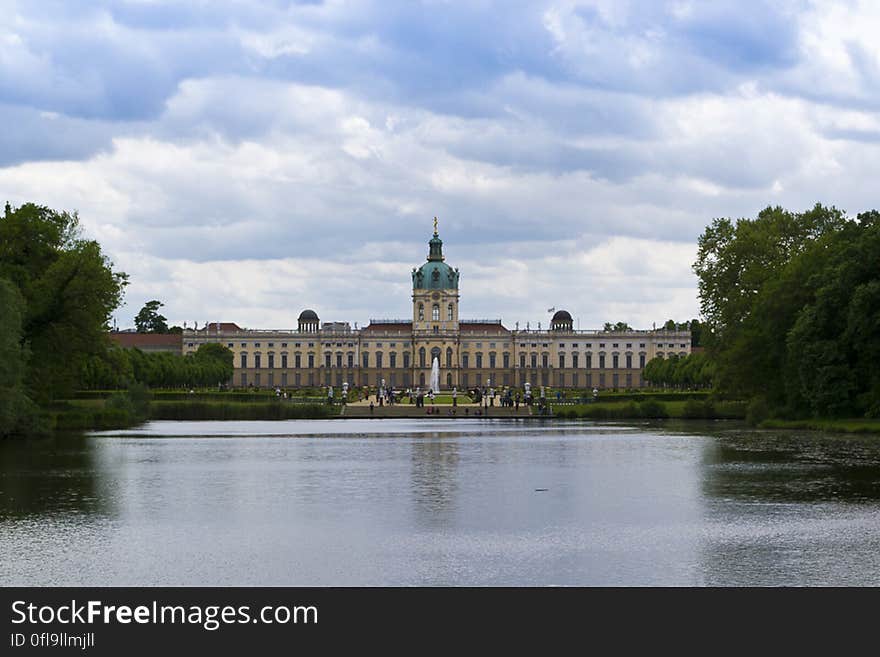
<point>440,502</point>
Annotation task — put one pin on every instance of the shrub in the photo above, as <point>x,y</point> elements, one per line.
<point>757,411</point>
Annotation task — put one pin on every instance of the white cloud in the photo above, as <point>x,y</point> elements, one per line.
<point>290,156</point>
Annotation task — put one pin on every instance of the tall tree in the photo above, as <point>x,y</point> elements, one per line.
<point>17,411</point>
<point>148,320</point>
<point>69,289</point>
<point>752,283</point>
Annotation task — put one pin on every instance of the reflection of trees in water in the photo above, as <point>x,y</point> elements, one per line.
<point>792,467</point>
<point>434,480</point>
<point>776,508</point>
<point>50,475</point>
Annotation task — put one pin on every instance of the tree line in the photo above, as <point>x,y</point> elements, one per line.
<point>791,302</point>
<point>57,293</point>
<point>212,364</point>
<point>686,372</point>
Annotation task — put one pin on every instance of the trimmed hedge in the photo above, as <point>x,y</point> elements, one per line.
<point>202,410</point>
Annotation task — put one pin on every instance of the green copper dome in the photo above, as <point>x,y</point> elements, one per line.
<point>435,274</point>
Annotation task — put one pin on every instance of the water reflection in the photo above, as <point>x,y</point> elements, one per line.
<point>434,478</point>
<point>50,476</point>
<point>792,467</point>
<point>419,502</point>
<point>783,508</point>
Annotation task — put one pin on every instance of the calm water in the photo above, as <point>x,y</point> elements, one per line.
<point>422,502</point>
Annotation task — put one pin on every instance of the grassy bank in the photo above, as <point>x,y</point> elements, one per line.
<point>654,409</point>
<point>208,410</point>
<point>103,414</point>
<point>857,425</point>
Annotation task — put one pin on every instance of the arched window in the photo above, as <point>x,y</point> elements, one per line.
<point>435,312</point>
<point>449,358</point>
<point>449,312</point>
<point>421,357</point>
<point>421,312</point>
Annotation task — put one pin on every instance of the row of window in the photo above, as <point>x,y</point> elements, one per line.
<point>435,312</point>
<point>379,360</point>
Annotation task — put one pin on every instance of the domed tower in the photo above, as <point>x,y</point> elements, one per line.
<point>308,321</point>
<point>435,291</point>
<point>561,321</point>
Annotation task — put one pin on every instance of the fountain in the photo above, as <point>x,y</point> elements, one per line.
<point>435,375</point>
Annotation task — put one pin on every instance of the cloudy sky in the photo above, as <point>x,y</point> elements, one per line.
<point>243,160</point>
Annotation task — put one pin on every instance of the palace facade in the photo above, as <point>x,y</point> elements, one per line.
<point>471,353</point>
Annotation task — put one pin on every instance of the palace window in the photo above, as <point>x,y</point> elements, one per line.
<point>589,362</point>
<point>435,312</point>
<point>561,361</point>
<point>449,357</point>
<point>479,359</point>
<point>465,360</point>
<point>629,361</point>
<point>257,361</point>
<point>366,359</point>
<point>297,361</point>
<point>421,356</point>
<point>574,361</point>
<point>243,361</point>
<point>271,361</point>
<point>602,362</point>
<point>615,361</point>
<point>421,312</point>
<point>406,359</point>
<point>271,344</point>
<point>522,361</point>
<point>350,361</point>
<point>256,344</point>
<point>534,361</point>
<point>378,359</point>
<point>311,360</point>
<point>642,360</point>
<point>392,359</point>
<point>506,360</point>
<point>338,360</point>
<point>449,312</point>
<point>284,362</point>
<point>544,361</point>
<point>229,345</point>
<point>326,360</point>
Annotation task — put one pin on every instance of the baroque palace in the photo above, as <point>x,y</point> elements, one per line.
<point>471,353</point>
